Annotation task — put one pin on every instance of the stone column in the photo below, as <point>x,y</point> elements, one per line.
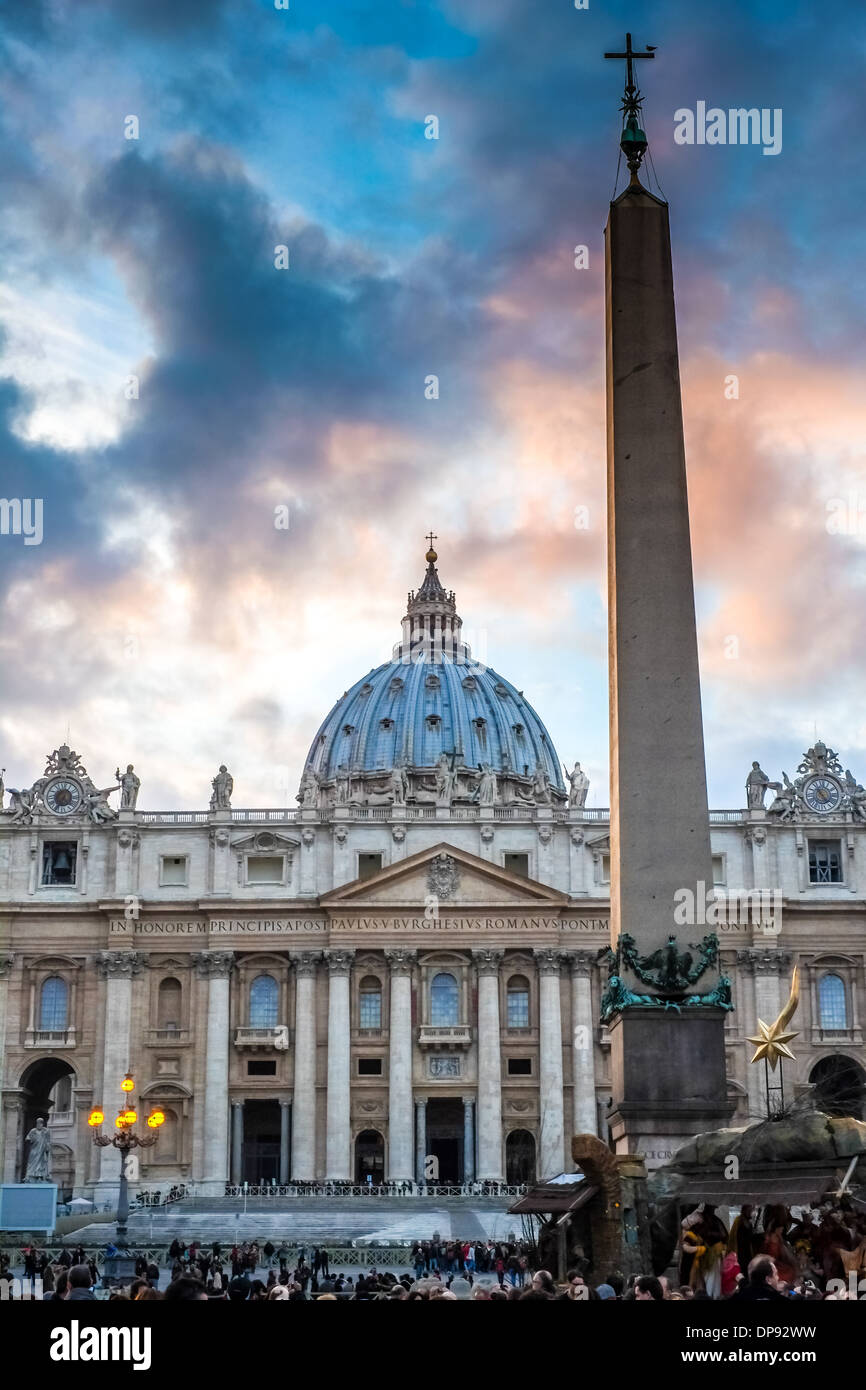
<point>585,1111</point>
<point>550,1145</point>
<point>468,1141</point>
<point>237,1141</point>
<point>216,968</point>
<point>338,1135</point>
<point>420,1140</point>
<point>6,963</point>
<point>285,1128</point>
<point>117,968</point>
<point>489,1067</point>
<point>304,1100</point>
<point>400,1052</point>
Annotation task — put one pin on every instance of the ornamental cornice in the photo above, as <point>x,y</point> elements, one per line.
<point>548,960</point>
<point>401,960</point>
<point>488,960</point>
<point>305,962</point>
<point>115,965</point>
<point>339,961</point>
<point>213,965</point>
<point>764,962</point>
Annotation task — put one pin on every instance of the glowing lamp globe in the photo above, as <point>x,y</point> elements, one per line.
<point>95,1117</point>
<point>129,1116</point>
<point>127,1084</point>
<point>156,1118</point>
<point>120,1122</point>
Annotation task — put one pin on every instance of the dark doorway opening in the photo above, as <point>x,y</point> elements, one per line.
<point>47,1087</point>
<point>445,1139</point>
<point>840,1086</point>
<point>261,1150</point>
<point>520,1156</point>
<point>369,1157</point>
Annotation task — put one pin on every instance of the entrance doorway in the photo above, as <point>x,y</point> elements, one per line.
<point>445,1139</point>
<point>261,1150</point>
<point>369,1157</point>
<point>520,1156</point>
<point>840,1085</point>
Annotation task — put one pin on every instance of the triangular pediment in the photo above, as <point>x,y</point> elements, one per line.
<point>450,874</point>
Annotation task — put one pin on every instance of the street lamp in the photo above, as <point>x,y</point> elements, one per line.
<point>125,1140</point>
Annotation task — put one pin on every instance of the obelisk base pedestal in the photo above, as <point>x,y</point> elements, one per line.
<point>668,1080</point>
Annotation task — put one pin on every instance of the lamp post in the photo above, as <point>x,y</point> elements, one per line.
<point>125,1139</point>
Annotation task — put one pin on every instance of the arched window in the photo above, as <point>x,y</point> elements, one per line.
<point>264,1002</point>
<point>53,1005</point>
<point>443,1001</point>
<point>168,1005</point>
<point>832,1004</point>
<point>370,1002</point>
<point>518,1002</point>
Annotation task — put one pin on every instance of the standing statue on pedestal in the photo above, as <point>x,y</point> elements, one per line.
<point>310,790</point>
<point>757,783</point>
<point>342,785</point>
<point>399,785</point>
<point>578,788</point>
<point>223,786</point>
<point>487,787</point>
<point>445,779</point>
<point>541,786</point>
<point>39,1157</point>
<point>129,785</point>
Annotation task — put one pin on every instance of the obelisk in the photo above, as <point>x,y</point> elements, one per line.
<point>663,1005</point>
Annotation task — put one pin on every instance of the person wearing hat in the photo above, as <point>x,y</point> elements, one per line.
<point>605,1291</point>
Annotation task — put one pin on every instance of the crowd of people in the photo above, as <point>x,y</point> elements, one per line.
<point>769,1254</point>
<point>811,1252</point>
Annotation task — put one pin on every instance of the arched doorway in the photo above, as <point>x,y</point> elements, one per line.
<point>520,1156</point>
<point>840,1086</point>
<point>369,1157</point>
<point>47,1087</point>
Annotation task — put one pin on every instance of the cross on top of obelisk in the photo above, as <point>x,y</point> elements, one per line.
<point>634,142</point>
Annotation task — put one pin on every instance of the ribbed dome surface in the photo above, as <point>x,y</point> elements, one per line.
<point>409,714</point>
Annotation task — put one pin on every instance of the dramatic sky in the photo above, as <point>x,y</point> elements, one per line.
<point>165,619</point>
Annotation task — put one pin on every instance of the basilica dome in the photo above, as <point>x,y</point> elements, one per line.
<point>432,725</point>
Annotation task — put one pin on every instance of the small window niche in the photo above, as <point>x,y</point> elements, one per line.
<point>173,871</point>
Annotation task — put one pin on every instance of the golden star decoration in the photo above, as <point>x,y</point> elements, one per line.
<point>772,1043</point>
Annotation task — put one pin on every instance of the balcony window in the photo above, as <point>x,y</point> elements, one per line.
<point>369,865</point>
<point>517,864</point>
<point>832,1004</point>
<point>444,1002</point>
<point>264,1002</point>
<point>168,1005</point>
<point>265,868</point>
<point>173,871</point>
<point>518,1002</point>
<point>370,1003</point>
<point>53,1005</point>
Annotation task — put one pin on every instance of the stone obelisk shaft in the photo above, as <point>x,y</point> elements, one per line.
<point>668,1068</point>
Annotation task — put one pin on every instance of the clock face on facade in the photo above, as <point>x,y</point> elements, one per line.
<point>62,796</point>
<point>822,794</point>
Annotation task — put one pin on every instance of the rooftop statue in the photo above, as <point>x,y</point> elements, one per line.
<point>129,785</point>
<point>223,786</point>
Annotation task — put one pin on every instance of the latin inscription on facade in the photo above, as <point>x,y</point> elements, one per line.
<point>299,926</point>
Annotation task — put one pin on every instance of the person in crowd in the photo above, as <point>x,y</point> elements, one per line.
<point>80,1284</point>
<point>762,1283</point>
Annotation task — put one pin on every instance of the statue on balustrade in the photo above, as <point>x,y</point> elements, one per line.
<point>578,787</point>
<point>129,785</point>
<point>757,783</point>
<point>223,786</point>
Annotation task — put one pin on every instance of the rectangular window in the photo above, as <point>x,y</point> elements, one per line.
<point>261,1068</point>
<point>520,1066</point>
<point>368,865</point>
<point>605,868</point>
<point>718,870</point>
<point>265,868</point>
<point>59,858</point>
<point>516,864</point>
<point>173,870</point>
<point>825,861</point>
<point>369,1066</point>
<point>518,1008</point>
<point>370,1012</point>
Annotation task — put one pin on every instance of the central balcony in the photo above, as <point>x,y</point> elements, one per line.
<point>433,1035</point>
<point>275,1039</point>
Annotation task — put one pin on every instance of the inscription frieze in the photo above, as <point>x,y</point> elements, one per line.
<point>422,924</point>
